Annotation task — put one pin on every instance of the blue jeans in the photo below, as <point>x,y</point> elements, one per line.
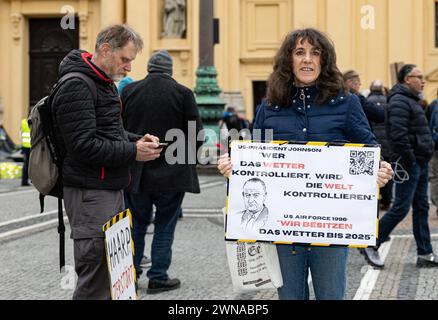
<point>168,208</point>
<point>327,265</point>
<point>410,192</point>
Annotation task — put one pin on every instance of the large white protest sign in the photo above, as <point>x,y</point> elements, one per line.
<point>119,253</point>
<point>317,193</point>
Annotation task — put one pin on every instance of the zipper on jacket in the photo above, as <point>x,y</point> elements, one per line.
<point>102,173</point>
<point>303,98</point>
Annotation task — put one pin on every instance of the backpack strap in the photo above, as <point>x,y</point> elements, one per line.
<point>80,75</point>
<point>61,227</point>
<point>61,231</point>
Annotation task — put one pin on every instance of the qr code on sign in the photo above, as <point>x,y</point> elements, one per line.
<point>361,162</point>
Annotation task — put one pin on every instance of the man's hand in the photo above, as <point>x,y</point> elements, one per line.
<point>147,148</point>
<point>150,138</point>
<point>384,174</point>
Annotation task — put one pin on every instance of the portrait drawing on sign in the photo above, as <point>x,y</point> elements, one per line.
<point>256,213</point>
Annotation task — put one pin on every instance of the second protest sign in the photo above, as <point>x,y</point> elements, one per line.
<point>119,250</point>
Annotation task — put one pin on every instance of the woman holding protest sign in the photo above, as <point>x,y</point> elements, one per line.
<point>306,102</point>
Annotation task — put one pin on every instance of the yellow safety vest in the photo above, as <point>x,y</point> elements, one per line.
<point>25,134</point>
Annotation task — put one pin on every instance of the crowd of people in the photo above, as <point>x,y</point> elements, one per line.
<point>403,124</point>
<point>113,158</point>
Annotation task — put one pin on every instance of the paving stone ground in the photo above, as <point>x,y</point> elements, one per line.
<point>29,265</point>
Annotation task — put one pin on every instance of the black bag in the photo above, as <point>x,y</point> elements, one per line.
<point>45,161</point>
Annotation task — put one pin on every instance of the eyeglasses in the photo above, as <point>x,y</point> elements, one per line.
<point>421,78</point>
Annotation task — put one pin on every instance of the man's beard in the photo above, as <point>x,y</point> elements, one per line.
<point>113,76</point>
<point>117,77</point>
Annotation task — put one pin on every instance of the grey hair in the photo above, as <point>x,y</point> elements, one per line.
<point>117,36</point>
<point>376,86</point>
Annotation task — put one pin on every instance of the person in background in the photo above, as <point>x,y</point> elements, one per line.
<point>159,104</point>
<point>352,84</point>
<point>432,114</point>
<point>378,100</point>
<point>25,147</point>
<point>123,83</point>
<point>306,101</point>
<point>7,146</point>
<point>424,104</point>
<point>230,119</point>
<point>411,139</point>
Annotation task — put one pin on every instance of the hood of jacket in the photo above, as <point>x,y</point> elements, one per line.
<point>80,61</point>
<point>403,90</point>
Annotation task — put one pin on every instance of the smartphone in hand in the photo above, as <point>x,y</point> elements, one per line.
<point>162,145</point>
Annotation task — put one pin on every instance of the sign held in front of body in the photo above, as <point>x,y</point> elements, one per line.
<point>119,249</point>
<point>316,193</point>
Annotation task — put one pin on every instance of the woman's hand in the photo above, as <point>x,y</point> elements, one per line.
<point>384,174</point>
<point>224,165</point>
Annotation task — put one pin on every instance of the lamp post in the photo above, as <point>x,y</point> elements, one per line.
<point>207,90</point>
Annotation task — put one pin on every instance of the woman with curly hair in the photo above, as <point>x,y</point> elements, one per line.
<point>306,102</point>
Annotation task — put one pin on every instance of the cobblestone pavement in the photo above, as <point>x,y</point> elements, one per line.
<point>29,265</point>
<point>30,268</point>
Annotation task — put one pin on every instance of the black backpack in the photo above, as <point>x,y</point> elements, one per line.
<point>45,161</point>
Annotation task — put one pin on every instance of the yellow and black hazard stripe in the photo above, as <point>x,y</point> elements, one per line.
<point>109,224</point>
<point>117,218</point>
<point>308,143</point>
<point>325,144</point>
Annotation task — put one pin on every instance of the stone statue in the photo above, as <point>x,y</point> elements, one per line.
<point>174,18</point>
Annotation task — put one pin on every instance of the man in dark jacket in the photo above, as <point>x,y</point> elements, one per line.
<point>432,113</point>
<point>412,143</point>
<point>352,84</point>
<point>163,107</point>
<point>378,100</point>
<point>97,151</point>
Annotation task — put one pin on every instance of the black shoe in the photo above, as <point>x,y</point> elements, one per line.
<point>372,257</point>
<point>427,260</point>
<point>157,286</point>
<point>138,273</point>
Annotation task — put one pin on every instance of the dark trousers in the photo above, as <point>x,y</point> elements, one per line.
<point>386,193</point>
<point>168,208</point>
<point>88,210</point>
<point>411,192</point>
<point>25,172</point>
